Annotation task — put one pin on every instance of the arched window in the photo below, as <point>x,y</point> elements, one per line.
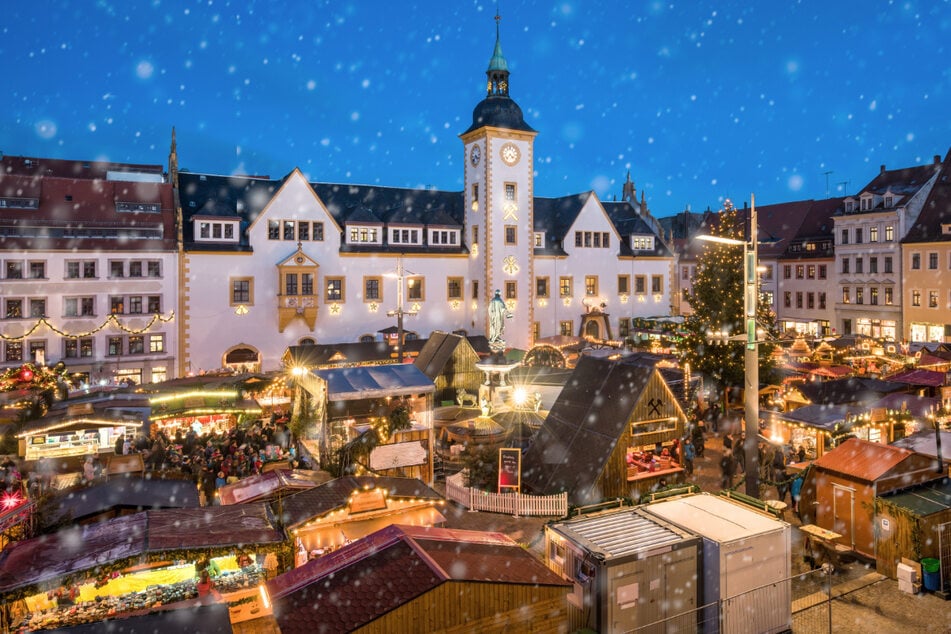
<point>307,341</point>
<point>367,339</point>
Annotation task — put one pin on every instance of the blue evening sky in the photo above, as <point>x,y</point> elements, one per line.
<point>701,100</point>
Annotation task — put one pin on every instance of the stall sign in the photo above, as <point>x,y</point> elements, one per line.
<point>38,440</point>
<point>79,409</point>
<point>510,469</point>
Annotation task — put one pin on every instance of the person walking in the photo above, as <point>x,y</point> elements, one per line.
<point>689,454</point>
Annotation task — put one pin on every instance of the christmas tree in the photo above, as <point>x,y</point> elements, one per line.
<point>717,302</point>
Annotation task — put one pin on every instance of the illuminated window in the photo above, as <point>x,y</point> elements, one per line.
<point>565,328</point>
<point>511,290</point>
<point>591,285</point>
<point>564,286</point>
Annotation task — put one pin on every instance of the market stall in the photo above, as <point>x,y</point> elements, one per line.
<point>90,572</point>
<point>346,509</point>
<point>73,435</point>
<point>204,411</point>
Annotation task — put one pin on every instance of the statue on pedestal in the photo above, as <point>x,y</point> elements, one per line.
<point>498,313</point>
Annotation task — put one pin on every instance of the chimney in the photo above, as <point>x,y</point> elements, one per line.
<point>937,159</point>
<point>882,170</point>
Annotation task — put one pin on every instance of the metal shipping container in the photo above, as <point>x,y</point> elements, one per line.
<point>631,571</point>
<point>745,563</point>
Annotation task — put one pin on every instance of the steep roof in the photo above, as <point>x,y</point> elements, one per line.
<point>936,213</point>
<point>902,183</point>
<point>554,217</point>
<point>73,169</point>
<point>629,222</point>
<point>437,352</point>
<point>583,428</point>
<point>82,214</point>
<point>369,578</point>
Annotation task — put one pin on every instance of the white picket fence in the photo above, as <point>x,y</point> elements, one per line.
<point>516,504</point>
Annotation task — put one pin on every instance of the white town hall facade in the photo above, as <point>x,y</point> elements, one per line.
<point>268,264</point>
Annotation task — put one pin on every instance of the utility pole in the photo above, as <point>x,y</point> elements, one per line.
<point>751,356</point>
<point>399,313</point>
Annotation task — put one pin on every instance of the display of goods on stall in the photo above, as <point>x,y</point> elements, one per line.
<point>105,607</point>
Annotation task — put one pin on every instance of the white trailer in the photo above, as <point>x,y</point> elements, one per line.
<point>745,563</point>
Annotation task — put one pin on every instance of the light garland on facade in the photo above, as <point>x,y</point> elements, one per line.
<point>111,319</point>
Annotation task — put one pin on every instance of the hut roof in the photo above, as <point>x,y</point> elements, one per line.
<point>320,500</point>
<point>392,567</point>
<point>583,428</point>
<point>925,499</point>
<point>863,460</point>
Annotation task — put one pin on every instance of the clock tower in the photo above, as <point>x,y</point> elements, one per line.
<point>499,156</point>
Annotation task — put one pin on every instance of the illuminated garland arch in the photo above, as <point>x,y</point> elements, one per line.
<point>111,319</point>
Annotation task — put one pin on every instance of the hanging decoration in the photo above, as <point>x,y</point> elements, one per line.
<point>30,375</point>
<point>112,319</point>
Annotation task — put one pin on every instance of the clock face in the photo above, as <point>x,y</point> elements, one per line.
<point>475,155</point>
<point>509,154</point>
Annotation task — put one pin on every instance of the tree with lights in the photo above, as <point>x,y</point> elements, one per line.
<point>717,302</point>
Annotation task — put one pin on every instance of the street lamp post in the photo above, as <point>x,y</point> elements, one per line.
<point>751,352</point>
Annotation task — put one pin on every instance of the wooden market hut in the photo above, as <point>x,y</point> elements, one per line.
<point>914,523</point>
<point>355,399</point>
<point>450,362</point>
<point>609,412</point>
<point>839,491</point>
<point>148,537</point>
<point>422,580</point>
<point>346,509</point>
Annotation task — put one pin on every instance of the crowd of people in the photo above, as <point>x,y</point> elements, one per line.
<point>212,459</point>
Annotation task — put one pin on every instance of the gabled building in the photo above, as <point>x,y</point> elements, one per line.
<point>609,411</point>
<point>869,272</point>
<point>89,268</point>
<point>405,578</point>
<point>269,264</point>
<point>926,260</point>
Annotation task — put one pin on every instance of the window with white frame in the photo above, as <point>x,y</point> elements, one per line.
<point>444,237</point>
<point>401,235</point>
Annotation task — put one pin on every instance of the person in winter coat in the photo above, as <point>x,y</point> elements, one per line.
<point>689,454</point>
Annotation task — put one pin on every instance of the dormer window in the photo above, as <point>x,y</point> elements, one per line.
<point>849,206</point>
<point>405,236</point>
<point>363,235</point>
<point>444,237</point>
<point>539,239</point>
<point>866,203</point>
<point>209,230</point>
<point>642,243</point>
<point>889,201</point>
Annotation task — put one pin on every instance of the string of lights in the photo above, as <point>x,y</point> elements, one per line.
<point>112,319</point>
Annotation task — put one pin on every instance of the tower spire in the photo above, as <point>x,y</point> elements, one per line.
<point>498,71</point>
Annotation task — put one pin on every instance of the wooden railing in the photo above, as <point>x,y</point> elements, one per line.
<point>517,504</point>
